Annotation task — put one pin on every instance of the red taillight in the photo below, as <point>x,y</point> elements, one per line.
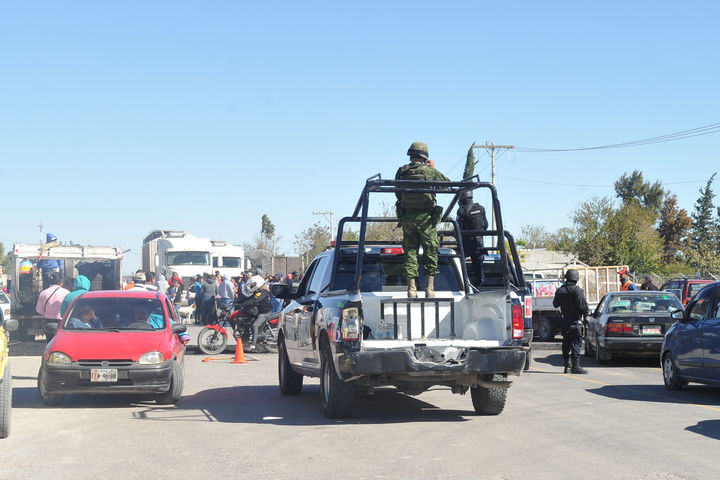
<point>528,306</point>
<point>612,327</point>
<point>392,251</point>
<point>518,321</point>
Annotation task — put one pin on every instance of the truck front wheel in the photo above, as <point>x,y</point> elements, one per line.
<point>336,395</point>
<point>489,401</point>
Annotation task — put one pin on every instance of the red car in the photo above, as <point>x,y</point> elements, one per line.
<point>115,342</point>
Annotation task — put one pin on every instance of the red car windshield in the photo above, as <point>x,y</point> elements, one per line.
<point>115,314</point>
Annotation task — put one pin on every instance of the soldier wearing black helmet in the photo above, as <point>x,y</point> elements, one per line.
<point>573,306</point>
<point>418,215</point>
<point>471,216</point>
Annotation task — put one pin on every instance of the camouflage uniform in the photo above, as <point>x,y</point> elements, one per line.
<point>417,215</point>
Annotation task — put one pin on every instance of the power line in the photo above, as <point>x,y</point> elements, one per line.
<point>670,137</point>
<point>525,180</point>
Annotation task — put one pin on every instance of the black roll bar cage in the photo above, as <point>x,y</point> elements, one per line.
<point>376,184</point>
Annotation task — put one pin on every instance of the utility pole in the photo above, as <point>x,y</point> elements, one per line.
<point>330,213</point>
<point>491,146</point>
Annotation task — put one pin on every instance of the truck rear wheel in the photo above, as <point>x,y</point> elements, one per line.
<point>489,401</point>
<point>545,330</point>
<point>5,402</point>
<point>336,395</point>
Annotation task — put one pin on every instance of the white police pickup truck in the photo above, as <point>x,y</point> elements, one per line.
<point>350,322</point>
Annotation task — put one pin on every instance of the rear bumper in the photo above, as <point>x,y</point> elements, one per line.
<point>649,345</point>
<point>420,363</point>
<point>135,378</point>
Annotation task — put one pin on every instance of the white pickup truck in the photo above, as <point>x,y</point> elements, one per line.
<point>350,322</point>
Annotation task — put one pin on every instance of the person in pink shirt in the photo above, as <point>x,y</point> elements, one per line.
<point>50,299</point>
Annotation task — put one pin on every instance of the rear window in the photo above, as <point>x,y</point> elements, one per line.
<point>663,302</point>
<point>115,314</point>
<point>385,273</point>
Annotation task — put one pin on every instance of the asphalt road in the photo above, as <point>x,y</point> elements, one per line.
<point>619,422</point>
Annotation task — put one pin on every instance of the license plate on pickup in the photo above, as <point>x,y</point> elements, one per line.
<point>651,330</point>
<point>103,375</point>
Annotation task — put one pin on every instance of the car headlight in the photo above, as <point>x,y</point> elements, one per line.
<point>151,358</point>
<point>59,359</point>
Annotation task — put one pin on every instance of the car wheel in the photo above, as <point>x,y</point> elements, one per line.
<point>489,401</point>
<point>545,330</point>
<point>176,387</point>
<point>49,399</point>
<point>211,342</point>
<point>290,381</point>
<point>671,376</point>
<point>5,402</point>
<point>336,395</point>
<point>601,354</point>
<point>528,360</point>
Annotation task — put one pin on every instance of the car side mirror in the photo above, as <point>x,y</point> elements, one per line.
<point>51,328</point>
<point>283,291</point>
<point>179,328</point>
<point>678,314</point>
<point>11,324</point>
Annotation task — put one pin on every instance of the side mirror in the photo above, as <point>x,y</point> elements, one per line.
<point>179,328</point>
<point>11,324</point>
<point>282,290</point>
<point>51,328</point>
<point>678,314</point>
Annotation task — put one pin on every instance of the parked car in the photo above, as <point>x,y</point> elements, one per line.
<point>6,325</point>
<point>115,342</point>
<point>685,288</point>
<point>691,350</point>
<point>630,323</point>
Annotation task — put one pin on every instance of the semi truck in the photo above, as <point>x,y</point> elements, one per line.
<point>102,265</point>
<point>176,251</point>
<point>595,282</point>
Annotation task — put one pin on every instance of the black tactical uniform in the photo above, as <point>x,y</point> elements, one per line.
<point>471,216</point>
<point>573,305</point>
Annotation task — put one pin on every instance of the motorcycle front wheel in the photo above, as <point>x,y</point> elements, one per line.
<point>211,341</point>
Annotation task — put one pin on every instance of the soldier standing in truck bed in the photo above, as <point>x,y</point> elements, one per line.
<point>418,215</point>
<point>471,216</point>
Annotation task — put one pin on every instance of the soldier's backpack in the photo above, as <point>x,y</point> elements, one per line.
<point>415,201</point>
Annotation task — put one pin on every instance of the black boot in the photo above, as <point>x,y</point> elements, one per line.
<point>567,366</point>
<point>576,368</point>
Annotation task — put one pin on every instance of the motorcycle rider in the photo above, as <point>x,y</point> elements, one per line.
<point>573,305</point>
<point>258,304</point>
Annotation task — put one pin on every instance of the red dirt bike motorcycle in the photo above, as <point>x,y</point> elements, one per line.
<point>237,322</point>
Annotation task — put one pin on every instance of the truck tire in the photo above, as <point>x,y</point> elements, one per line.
<point>489,401</point>
<point>290,381</point>
<point>528,360</point>
<point>211,341</point>
<point>336,395</point>
<point>49,399</point>
<point>5,402</point>
<point>176,387</point>
<point>545,330</point>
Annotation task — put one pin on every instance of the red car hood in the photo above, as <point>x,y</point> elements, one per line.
<point>111,345</point>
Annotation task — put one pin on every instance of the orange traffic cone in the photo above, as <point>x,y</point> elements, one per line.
<point>239,352</point>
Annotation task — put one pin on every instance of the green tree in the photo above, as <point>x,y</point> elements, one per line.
<point>312,241</point>
<point>563,240</point>
<point>470,162</point>
<point>634,188</point>
<point>703,224</point>
<point>674,229</point>
<point>632,238</point>
<point>535,236</point>
<point>4,259</point>
<point>589,220</point>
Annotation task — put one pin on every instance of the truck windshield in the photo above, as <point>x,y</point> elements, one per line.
<point>188,258</point>
<point>383,272</point>
<point>232,262</point>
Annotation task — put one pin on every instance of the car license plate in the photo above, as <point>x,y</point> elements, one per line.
<point>651,330</point>
<point>103,375</point>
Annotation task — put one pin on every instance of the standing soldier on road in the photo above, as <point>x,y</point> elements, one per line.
<point>471,216</point>
<point>573,305</point>
<point>418,215</point>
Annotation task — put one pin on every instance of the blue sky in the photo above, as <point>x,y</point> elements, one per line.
<point>117,118</point>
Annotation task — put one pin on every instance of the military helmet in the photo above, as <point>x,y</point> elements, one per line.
<point>419,149</point>
<point>466,197</point>
<point>572,275</point>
